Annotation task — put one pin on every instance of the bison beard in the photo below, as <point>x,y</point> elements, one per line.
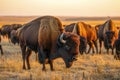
<point>50,34</point>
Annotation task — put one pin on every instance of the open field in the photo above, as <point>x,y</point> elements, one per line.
<point>87,67</point>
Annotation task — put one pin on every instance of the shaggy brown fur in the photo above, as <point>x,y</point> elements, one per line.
<point>107,33</point>
<point>49,28</point>
<point>49,32</point>
<point>85,31</point>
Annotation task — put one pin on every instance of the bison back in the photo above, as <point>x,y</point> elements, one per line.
<point>50,29</point>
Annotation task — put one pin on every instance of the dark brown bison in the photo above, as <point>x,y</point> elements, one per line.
<point>6,29</point>
<point>28,40</point>
<point>107,33</point>
<point>117,47</point>
<point>86,31</point>
<point>27,37</point>
<point>54,42</point>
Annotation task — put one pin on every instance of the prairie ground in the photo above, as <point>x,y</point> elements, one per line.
<point>87,67</point>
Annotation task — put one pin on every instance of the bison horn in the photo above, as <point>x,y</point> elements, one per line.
<point>61,38</point>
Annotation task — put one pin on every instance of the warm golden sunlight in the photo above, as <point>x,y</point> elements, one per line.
<point>60,7</point>
<point>59,39</point>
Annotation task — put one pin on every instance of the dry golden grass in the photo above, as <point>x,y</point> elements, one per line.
<point>87,67</point>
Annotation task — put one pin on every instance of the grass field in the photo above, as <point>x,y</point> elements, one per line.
<point>87,67</point>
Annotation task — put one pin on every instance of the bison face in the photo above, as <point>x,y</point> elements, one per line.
<point>13,37</point>
<point>109,38</point>
<point>70,48</point>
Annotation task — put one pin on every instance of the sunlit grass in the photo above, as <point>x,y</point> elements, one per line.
<point>88,67</point>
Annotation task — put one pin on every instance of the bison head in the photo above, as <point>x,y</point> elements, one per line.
<point>13,37</point>
<point>68,47</point>
<point>109,39</point>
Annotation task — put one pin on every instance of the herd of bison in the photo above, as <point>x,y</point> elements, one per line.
<point>49,39</point>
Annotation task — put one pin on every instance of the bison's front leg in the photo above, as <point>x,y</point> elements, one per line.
<point>112,51</point>
<point>51,65</point>
<point>96,46</point>
<point>41,57</point>
<point>100,46</point>
<point>90,46</point>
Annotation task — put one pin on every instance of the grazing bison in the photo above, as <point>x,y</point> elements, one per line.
<point>86,31</point>
<point>28,40</point>
<point>117,47</point>
<point>54,43</point>
<point>108,33</point>
<point>27,37</point>
<point>6,29</point>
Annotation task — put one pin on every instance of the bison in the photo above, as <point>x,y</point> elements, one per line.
<point>26,36</point>
<point>86,31</point>
<point>117,47</point>
<point>107,33</point>
<point>6,29</point>
<point>54,42</point>
<point>46,40</point>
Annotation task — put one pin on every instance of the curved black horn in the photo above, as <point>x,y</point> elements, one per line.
<point>61,38</point>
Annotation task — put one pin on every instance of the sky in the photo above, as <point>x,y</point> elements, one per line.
<point>60,7</point>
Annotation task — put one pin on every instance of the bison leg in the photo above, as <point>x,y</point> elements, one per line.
<point>91,46</point>
<point>1,50</point>
<point>107,51</point>
<point>96,46</point>
<point>100,46</point>
<point>112,51</point>
<point>28,53</point>
<point>51,65</point>
<point>41,57</point>
<point>36,57</point>
<point>23,48</point>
